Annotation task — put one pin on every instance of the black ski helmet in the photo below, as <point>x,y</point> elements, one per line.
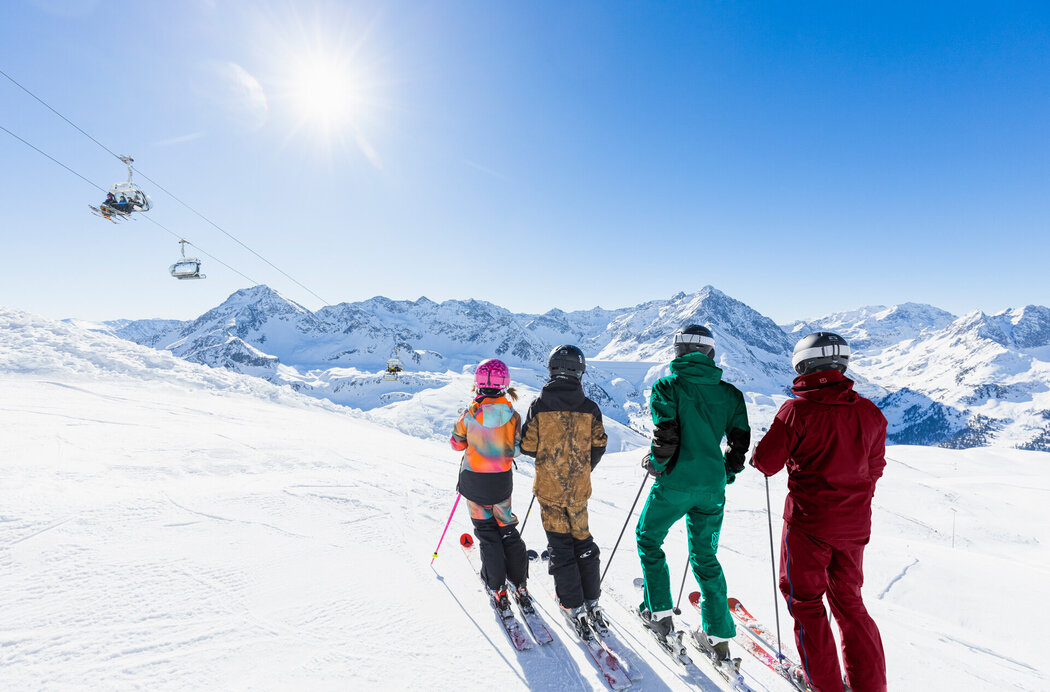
<point>693,338</point>
<point>566,360</point>
<point>820,351</point>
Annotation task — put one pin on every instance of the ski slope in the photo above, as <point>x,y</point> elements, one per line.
<point>165,525</point>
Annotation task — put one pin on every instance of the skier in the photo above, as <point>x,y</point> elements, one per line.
<point>488,433</point>
<point>833,442</point>
<point>692,409</point>
<point>563,430</point>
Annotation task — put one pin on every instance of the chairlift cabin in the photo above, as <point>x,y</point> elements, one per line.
<point>134,198</point>
<point>393,367</point>
<point>187,267</point>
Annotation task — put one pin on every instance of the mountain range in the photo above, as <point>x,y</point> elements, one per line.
<point>974,380</point>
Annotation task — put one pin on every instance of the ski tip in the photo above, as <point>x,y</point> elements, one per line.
<point>545,555</point>
<point>466,540</point>
<point>694,598</point>
<point>532,554</point>
<point>639,582</point>
<point>733,602</point>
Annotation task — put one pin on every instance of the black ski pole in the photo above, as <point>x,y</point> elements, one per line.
<point>681,590</point>
<point>773,567</point>
<point>527,512</point>
<point>625,523</point>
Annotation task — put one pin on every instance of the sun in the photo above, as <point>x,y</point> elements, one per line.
<point>325,92</point>
<point>329,84</point>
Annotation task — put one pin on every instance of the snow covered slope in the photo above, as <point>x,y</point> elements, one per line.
<point>170,526</point>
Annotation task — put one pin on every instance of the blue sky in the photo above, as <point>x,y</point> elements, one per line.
<point>537,155</point>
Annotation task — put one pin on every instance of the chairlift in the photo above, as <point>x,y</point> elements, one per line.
<point>187,267</point>
<point>393,367</point>
<point>124,198</point>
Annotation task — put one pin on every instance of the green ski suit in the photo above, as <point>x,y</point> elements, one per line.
<point>692,410</point>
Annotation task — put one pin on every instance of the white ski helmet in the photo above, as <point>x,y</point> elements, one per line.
<point>820,351</point>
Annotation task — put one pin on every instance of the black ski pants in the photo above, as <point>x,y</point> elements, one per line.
<point>503,555</point>
<point>575,567</point>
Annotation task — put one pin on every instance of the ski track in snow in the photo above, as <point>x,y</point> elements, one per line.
<point>897,578</point>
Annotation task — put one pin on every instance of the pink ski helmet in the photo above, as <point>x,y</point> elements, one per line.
<point>492,374</point>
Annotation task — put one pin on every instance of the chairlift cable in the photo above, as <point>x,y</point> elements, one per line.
<point>44,153</point>
<point>229,235</point>
<point>148,218</point>
<point>161,187</point>
<point>45,104</point>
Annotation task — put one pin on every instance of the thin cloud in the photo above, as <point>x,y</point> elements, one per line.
<point>487,170</point>
<point>181,139</point>
<point>368,150</point>
<point>236,92</point>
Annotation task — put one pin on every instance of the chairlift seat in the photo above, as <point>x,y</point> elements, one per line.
<point>189,268</point>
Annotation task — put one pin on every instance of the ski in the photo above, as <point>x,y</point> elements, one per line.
<point>533,620</point>
<point>612,642</point>
<point>672,645</point>
<point>609,666</point>
<point>728,669</point>
<point>758,641</point>
<point>107,216</point>
<point>514,629</point>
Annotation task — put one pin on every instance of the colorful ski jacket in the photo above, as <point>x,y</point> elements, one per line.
<point>692,410</point>
<point>563,430</point>
<point>833,442</point>
<point>489,435</point>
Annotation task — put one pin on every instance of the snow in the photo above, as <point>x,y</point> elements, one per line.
<point>166,525</point>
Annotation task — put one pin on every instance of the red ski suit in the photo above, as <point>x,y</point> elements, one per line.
<point>833,442</point>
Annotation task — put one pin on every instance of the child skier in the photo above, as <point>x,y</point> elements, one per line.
<point>489,435</point>
<point>563,430</point>
<point>692,409</point>
<point>833,442</point>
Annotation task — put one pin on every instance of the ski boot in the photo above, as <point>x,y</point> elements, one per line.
<point>501,603</point>
<point>596,617</point>
<point>523,599</point>
<point>717,649</point>
<point>798,679</point>
<point>577,617</point>
<point>662,627</point>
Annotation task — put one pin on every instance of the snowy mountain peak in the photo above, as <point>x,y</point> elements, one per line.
<point>1020,328</point>
<point>876,326</point>
<point>976,380</point>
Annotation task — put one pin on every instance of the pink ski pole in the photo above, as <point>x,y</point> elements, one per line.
<point>451,514</point>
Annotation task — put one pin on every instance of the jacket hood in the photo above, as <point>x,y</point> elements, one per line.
<point>566,391</point>
<point>825,387</point>
<point>492,411</point>
<point>696,367</point>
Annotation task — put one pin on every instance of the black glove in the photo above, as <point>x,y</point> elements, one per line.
<point>647,464</point>
<point>734,461</point>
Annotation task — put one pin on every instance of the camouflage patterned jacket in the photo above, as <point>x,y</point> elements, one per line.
<point>563,430</point>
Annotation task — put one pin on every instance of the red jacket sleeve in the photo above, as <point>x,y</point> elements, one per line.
<point>877,454</point>
<point>776,446</point>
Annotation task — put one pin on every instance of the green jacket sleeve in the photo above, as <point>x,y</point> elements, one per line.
<point>664,408</point>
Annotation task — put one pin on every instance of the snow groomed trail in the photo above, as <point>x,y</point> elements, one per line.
<point>170,526</point>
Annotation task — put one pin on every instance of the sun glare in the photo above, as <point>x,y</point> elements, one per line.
<point>325,91</point>
<point>328,83</point>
